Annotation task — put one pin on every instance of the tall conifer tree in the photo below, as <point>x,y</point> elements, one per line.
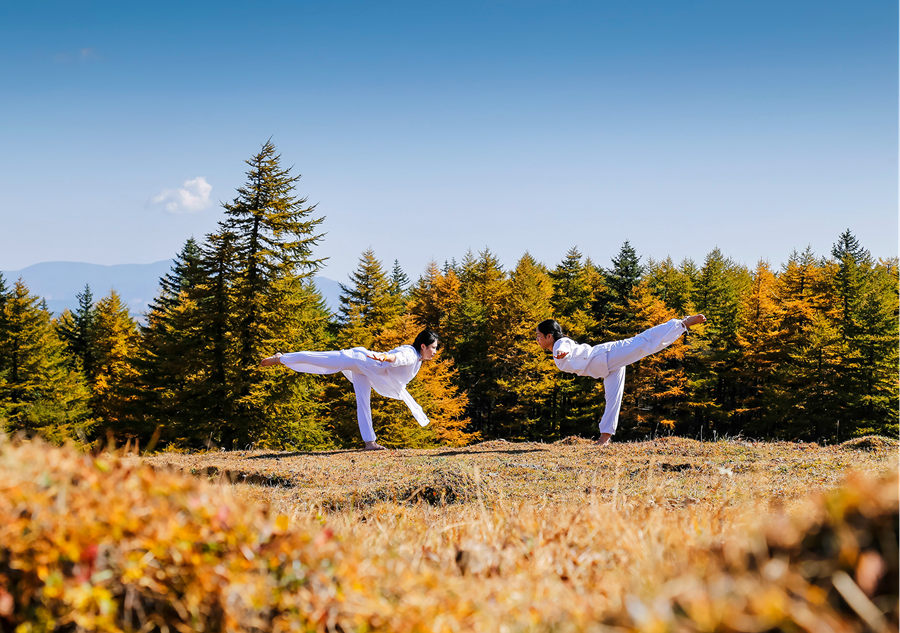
<point>672,285</point>
<point>368,303</point>
<point>715,360</point>
<point>526,376</point>
<point>760,342</point>
<point>399,280</point>
<point>39,392</point>
<point>173,361</point>
<point>114,346</point>
<point>620,280</point>
<point>77,330</point>
<point>476,325</point>
<point>273,305</point>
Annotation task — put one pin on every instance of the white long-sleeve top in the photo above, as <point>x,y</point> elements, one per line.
<point>388,379</point>
<point>581,359</point>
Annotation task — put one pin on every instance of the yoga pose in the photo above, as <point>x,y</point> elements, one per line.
<point>387,373</point>
<point>608,360</point>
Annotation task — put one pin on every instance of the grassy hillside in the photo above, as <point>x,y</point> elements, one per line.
<point>670,535</point>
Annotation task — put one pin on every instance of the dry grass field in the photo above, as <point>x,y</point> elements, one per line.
<point>666,535</point>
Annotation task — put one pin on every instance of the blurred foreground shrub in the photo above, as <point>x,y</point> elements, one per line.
<point>836,571</point>
<point>101,544</point>
<point>92,544</point>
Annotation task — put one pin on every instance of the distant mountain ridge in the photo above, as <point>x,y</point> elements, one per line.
<point>138,284</point>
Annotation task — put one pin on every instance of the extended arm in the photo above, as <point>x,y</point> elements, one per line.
<point>383,357</point>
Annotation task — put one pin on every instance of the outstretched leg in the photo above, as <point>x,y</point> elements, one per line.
<point>319,362</point>
<point>622,353</point>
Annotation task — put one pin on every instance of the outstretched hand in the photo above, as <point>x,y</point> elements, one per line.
<point>384,358</point>
<point>694,319</point>
<point>561,355</point>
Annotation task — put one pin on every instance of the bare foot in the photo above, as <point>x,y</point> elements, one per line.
<point>374,446</point>
<point>604,439</point>
<point>694,319</point>
<point>271,360</point>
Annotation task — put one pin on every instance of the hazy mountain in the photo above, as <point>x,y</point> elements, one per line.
<point>138,284</point>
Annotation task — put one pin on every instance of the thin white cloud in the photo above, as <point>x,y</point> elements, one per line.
<point>82,56</point>
<point>191,197</point>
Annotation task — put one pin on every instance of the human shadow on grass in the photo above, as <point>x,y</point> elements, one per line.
<point>308,454</point>
<point>510,451</point>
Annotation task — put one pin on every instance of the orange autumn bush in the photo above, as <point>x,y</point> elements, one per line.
<point>90,543</point>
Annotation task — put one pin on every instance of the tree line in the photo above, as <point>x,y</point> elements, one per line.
<point>807,351</point>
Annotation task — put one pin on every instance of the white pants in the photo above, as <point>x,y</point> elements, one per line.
<point>352,360</point>
<point>620,354</point>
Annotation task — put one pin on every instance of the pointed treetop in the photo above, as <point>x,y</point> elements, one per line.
<point>625,272</point>
<point>848,246</point>
<point>399,279</point>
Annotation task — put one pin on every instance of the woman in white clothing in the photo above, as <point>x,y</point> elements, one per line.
<point>607,361</point>
<point>387,373</point>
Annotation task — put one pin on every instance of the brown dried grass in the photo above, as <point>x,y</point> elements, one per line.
<point>499,536</point>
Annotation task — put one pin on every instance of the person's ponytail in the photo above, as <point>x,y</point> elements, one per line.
<point>426,338</point>
<point>550,327</point>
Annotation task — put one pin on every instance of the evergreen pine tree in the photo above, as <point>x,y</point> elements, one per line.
<point>672,285</point>
<point>76,329</point>
<point>526,376</point>
<point>620,279</point>
<point>714,361</point>
<point>4,326</point>
<point>475,326</point>
<point>624,274</point>
<point>853,264</point>
<point>113,346</point>
<point>575,291</point>
<point>874,402</point>
<point>368,303</point>
<point>273,306</point>
<point>863,311</point>
<point>172,359</point>
<point>399,280</point>
<point>39,393</point>
<point>760,341</point>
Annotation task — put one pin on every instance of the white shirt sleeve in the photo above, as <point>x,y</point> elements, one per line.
<point>563,345</point>
<point>404,355</point>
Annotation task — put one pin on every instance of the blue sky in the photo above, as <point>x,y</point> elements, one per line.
<point>426,129</point>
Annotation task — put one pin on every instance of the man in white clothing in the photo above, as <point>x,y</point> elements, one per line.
<point>387,373</point>
<point>607,361</point>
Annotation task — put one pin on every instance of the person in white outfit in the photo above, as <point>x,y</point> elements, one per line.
<point>607,361</point>
<point>387,373</point>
